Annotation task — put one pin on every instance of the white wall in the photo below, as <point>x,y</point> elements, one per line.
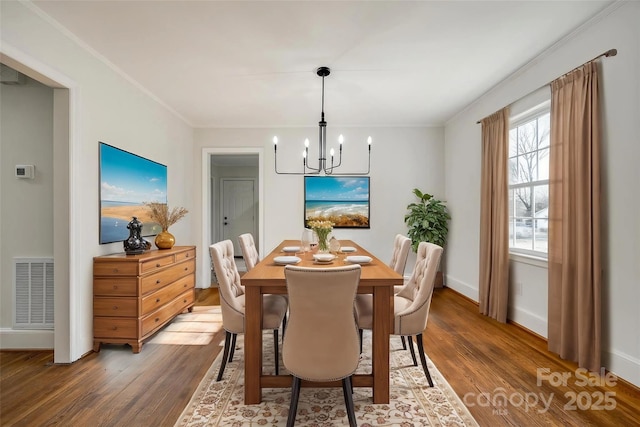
<point>620,84</point>
<point>26,209</point>
<point>104,107</point>
<point>401,159</point>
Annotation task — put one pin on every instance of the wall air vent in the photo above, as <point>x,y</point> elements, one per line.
<point>33,290</point>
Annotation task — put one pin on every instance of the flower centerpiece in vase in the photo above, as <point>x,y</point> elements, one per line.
<point>322,229</point>
<point>165,217</point>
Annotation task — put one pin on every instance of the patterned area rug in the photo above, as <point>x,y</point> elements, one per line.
<point>412,401</point>
<point>195,328</point>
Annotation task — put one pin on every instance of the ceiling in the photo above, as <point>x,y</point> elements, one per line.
<point>253,63</point>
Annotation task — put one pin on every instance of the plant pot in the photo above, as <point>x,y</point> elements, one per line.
<point>165,240</point>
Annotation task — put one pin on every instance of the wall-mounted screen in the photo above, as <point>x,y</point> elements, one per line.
<point>340,199</point>
<point>126,182</point>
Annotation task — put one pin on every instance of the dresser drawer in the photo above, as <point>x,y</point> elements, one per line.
<point>155,264</point>
<point>155,320</point>
<point>162,278</point>
<point>115,268</point>
<point>114,327</point>
<point>115,286</point>
<point>167,294</point>
<point>189,254</point>
<point>119,307</point>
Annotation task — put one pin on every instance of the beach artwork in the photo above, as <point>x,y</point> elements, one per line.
<point>126,182</point>
<point>341,200</point>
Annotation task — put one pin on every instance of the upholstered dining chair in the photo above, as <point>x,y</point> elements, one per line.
<point>249,251</point>
<point>411,304</point>
<point>232,303</point>
<point>401,247</point>
<point>251,258</point>
<point>322,336</point>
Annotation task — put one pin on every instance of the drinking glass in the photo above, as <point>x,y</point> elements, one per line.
<point>305,241</point>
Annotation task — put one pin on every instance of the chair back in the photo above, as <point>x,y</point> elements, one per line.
<point>322,342</point>
<point>229,286</point>
<point>417,292</point>
<point>249,250</point>
<point>401,246</point>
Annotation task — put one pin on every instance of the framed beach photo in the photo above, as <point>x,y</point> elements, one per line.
<point>127,181</point>
<point>343,200</point>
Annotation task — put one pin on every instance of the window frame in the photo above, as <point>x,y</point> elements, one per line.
<point>516,121</point>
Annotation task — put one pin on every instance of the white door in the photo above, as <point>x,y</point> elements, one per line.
<point>239,210</point>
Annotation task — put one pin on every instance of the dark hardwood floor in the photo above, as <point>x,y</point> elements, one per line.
<point>479,357</point>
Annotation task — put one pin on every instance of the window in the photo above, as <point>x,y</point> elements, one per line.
<point>529,181</point>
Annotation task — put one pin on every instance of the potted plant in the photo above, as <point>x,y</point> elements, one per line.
<point>428,221</point>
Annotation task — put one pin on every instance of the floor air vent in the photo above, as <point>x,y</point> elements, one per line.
<point>33,290</point>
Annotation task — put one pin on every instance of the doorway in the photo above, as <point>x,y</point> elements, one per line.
<point>232,189</point>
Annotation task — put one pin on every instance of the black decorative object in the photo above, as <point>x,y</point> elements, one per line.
<point>135,244</point>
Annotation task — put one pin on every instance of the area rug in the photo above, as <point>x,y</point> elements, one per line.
<point>193,328</point>
<point>412,401</point>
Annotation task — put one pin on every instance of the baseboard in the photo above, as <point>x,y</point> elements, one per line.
<point>18,339</point>
<point>625,366</point>
<point>462,288</point>
<point>529,322</point>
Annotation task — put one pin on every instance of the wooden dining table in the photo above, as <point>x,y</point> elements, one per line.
<point>267,277</point>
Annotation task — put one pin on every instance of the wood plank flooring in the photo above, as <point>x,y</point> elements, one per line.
<point>479,358</point>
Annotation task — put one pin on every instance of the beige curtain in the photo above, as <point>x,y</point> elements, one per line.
<point>494,216</point>
<point>574,218</point>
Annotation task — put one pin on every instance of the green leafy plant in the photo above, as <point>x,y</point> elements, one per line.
<point>427,220</point>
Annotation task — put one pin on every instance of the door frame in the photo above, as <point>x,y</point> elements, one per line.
<point>256,199</point>
<point>207,152</point>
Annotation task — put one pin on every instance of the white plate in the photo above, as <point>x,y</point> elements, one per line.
<point>358,259</point>
<point>282,260</point>
<point>291,249</point>
<point>323,257</point>
<point>348,249</point>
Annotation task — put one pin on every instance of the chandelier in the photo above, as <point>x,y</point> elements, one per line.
<point>326,165</point>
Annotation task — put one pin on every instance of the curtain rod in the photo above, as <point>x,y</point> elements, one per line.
<point>610,52</point>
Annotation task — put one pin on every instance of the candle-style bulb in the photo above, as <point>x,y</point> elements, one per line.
<point>275,140</point>
<point>304,154</point>
<point>369,140</point>
<point>341,139</point>
<point>332,151</point>
<point>306,143</point>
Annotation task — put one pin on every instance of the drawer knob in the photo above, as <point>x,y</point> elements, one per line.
<point>115,287</point>
<point>115,307</point>
<point>157,299</point>
<point>158,265</point>
<point>115,270</point>
<point>186,269</point>
<point>157,281</point>
<point>115,328</point>
<point>184,300</point>
<point>157,319</point>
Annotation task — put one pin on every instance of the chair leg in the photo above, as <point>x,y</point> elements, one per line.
<point>293,406</point>
<point>225,354</point>
<point>404,343</point>
<point>233,347</point>
<point>275,349</point>
<point>360,331</point>
<point>413,354</point>
<point>348,401</point>
<point>284,325</point>
<point>423,359</point>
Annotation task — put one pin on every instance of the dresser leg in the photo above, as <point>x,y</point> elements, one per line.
<point>136,347</point>
<point>96,346</point>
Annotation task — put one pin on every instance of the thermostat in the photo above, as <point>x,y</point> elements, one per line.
<point>25,171</point>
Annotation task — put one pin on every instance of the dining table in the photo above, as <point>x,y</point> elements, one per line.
<point>267,277</point>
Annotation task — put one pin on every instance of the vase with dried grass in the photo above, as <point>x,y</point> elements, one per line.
<point>165,217</point>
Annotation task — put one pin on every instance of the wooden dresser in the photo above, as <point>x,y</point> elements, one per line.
<point>135,295</point>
